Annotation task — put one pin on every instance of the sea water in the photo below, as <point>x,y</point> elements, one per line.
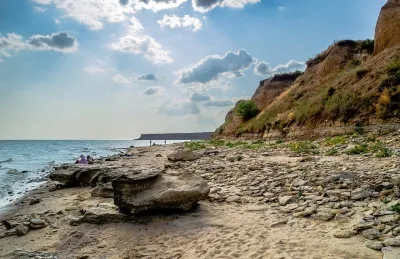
<point>25,164</point>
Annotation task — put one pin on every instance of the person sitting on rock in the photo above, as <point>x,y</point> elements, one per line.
<point>89,159</point>
<point>82,160</point>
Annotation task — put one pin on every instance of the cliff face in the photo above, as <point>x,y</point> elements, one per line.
<point>387,32</point>
<point>343,85</point>
<point>272,87</point>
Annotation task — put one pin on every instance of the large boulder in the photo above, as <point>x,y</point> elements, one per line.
<point>152,191</point>
<point>104,190</point>
<point>183,155</point>
<point>66,174</point>
<point>387,31</point>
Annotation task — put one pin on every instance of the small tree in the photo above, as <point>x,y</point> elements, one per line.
<point>247,110</point>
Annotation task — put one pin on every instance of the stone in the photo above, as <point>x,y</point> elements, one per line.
<point>299,182</point>
<point>359,194</point>
<point>389,219</point>
<point>341,233</point>
<point>33,201</point>
<point>279,223</point>
<point>103,215</point>
<point>309,211</point>
<point>75,221</point>
<point>152,191</point>
<point>9,224</point>
<point>183,155</point>
<point>324,216</point>
<point>158,155</point>
<point>21,230</point>
<point>268,195</point>
<point>104,190</point>
<point>233,198</point>
<point>66,174</point>
<point>391,253</point>
<point>37,223</point>
<point>284,200</point>
<point>392,242</point>
<point>375,245</point>
<point>371,233</point>
<point>290,207</point>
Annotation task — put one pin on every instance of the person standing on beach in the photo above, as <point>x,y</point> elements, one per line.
<point>150,143</point>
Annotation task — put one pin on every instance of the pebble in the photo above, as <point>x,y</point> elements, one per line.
<point>341,233</point>
<point>371,234</point>
<point>376,245</point>
<point>392,242</point>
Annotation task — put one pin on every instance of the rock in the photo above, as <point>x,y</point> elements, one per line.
<point>376,245</point>
<point>359,194</point>
<point>9,224</point>
<point>103,215</point>
<point>152,191</point>
<point>104,190</point>
<point>341,233</point>
<point>396,231</point>
<point>268,194</point>
<point>75,221</point>
<point>37,223</point>
<point>290,207</point>
<point>158,155</point>
<point>391,253</point>
<point>299,182</point>
<point>387,31</point>
<point>233,198</point>
<point>21,254</point>
<point>33,201</point>
<point>21,230</point>
<point>392,242</point>
<point>284,200</point>
<point>324,216</point>
<point>66,174</point>
<point>183,155</point>
<point>389,219</point>
<point>371,234</point>
<point>279,223</point>
<point>309,211</point>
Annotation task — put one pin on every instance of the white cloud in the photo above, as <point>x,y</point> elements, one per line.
<point>174,108</point>
<point>57,21</point>
<point>157,5</point>
<point>281,8</point>
<point>199,97</point>
<point>207,5</point>
<point>60,42</point>
<point>264,69</point>
<point>92,13</point>
<point>154,90</point>
<point>218,103</point>
<point>212,67</point>
<point>136,42</point>
<point>174,21</point>
<point>94,70</point>
<point>120,79</point>
<point>39,9</point>
<point>147,77</point>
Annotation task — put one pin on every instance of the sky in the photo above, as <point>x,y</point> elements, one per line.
<point>113,69</point>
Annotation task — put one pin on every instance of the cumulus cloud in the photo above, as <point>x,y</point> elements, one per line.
<point>264,69</point>
<point>147,77</point>
<point>154,90</point>
<point>57,42</point>
<point>174,108</point>
<point>60,42</point>
<point>174,21</point>
<point>218,103</point>
<point>92,13</point>
<point>136,42</point>
<point>212,67</point>
<point>120,79</point>
<point>157,5</point>
<point>94,70</point>
<point>198,97</point>
<point>207,5</point>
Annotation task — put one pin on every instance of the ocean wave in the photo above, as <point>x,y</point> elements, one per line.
<point>6,161</point>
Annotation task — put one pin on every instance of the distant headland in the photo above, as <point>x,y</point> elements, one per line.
<point>176,136</point>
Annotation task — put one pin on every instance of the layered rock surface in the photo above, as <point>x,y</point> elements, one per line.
<point>387,31</point>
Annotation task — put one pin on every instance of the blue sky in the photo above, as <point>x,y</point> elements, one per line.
<point>74,69</point>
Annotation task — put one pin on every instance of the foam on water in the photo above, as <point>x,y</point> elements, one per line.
<point>25,164</point>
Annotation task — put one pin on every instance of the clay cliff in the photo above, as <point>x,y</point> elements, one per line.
<point>350,83</point>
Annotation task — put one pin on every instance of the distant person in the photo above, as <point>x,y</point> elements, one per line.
<point>165,142</point>
<point>89,159</point>
<point>150,143</point>
<point>82,160</point>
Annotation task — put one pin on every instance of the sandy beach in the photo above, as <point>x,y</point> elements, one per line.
<point>243,216</point>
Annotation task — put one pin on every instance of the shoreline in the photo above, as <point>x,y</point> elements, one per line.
<point>261,194</point>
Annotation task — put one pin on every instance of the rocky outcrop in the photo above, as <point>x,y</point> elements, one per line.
<point>183,155</point>
<point>152,191</point>
<point>104,190</point>
<point>272,87</point>
<point>387,31</point>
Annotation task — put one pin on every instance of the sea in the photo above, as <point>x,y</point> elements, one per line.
<point>25,164</point>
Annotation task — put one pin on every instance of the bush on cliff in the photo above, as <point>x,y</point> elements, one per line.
<point>247,110</point>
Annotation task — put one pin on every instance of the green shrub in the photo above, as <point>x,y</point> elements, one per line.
<point>358,149</point>
<point>195,145</point>
<point>355,62</point>
<point>331,152</point>
<point>337,140</point>
<point>395,208</point>
<point>359,130</point>
<point>302,147</point>
<point>247,110</point>
<point>368,45</point>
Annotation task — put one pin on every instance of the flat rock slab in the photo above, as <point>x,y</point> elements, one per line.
<point>152,191</point>
<point>183,155</point>
<point>391,252</point>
